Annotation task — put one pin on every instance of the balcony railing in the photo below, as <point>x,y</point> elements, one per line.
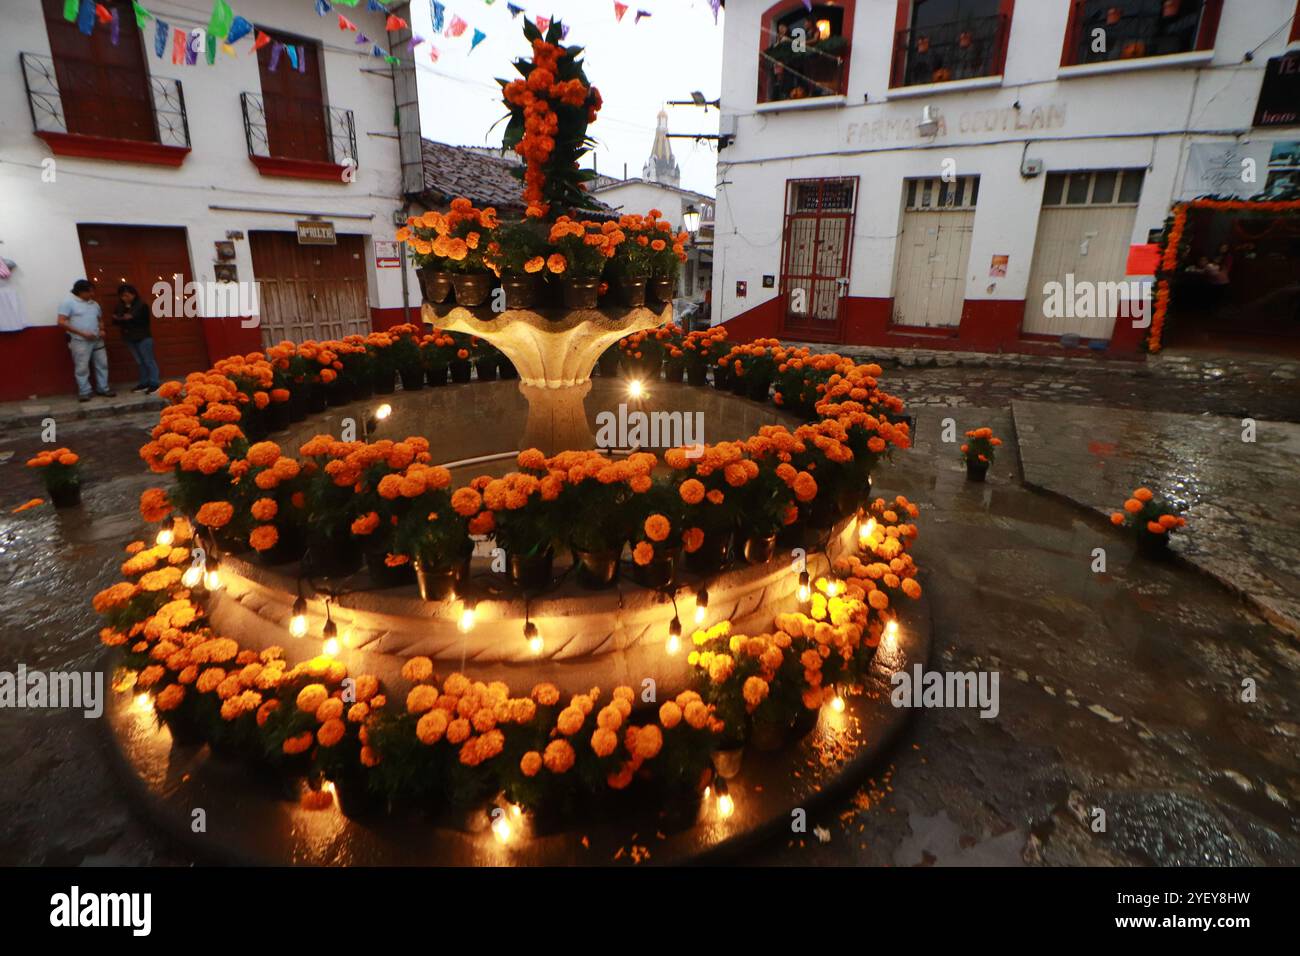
<point>816,71</point>
<point>281,127</point>
<point>79,98</point>
<point>1104,30</point>
<point>960,50</point>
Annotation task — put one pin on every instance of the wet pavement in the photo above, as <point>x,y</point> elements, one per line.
<point>1119,692</point>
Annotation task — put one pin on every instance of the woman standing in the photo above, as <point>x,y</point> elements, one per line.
<point>132,318</point>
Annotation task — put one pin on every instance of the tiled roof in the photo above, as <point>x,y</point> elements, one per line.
<point>484,179</point>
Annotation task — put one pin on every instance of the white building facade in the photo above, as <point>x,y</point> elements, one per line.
<point>920,172</point>
<point>275,167</point>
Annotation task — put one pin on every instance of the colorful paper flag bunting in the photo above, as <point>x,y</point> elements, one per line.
<point>86,17</point>
<point>456,27</point>
<point>479,37</point>
<point>227,49</point>
<point>261,40</point>
<point>715,5</point>
<point>102,13</point>
<point>514,9</point>
<point>346,3</point>
<point>70,10</point>
<point>376,50</point>
<point>322,7</point>
<point>640,14</point>
<point>415,41</point>
<point>220,21</point>
<point>807,5</point>
<point>393,60</point>
<point>302,59</point>
<point>292,52</point>
<point>142,16</point>
<point>374,6</point>
<point>619,10</point>
<point>436,12</point>
<point>115,29</point>
<point>195,43</point>
<point>160,33</point>
<point>433,53</point>
<point>564,31</point>
<point>346,24</point>
<point>395,23</point>
<point>180,40</point>
<point>277,51</point>
<point>362,39</point>
<point>239,28</point>
<point>543,23</point>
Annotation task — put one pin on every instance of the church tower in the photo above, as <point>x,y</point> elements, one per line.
<point>661,167</point>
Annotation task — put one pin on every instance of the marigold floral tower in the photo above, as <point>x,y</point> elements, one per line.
<point>552,250</point>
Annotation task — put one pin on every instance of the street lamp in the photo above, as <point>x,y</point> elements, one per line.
<point>691,219</point>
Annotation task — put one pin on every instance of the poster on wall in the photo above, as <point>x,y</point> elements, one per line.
<point>1279,95</point>
<point>1267,169</point>
<point>386,254</point>
<point>998,266</point>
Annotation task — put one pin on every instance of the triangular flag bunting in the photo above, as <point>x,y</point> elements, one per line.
<point>376,50</point>
<point>160,34</point>
<point>101,12</point>
<point>302,59</point>
<point>640,14</point>
<point>70,10</point>
<point>211,50</point>
<point>261,40</point>
<point>239,28</point>
<point>715,5</point>
<point>456,27</point>
<point>142,16</point>
<point>395,61</point>
<point>479,37</point>
<point>346,24</point>
<point>86,17</point>
<point>564,31</point>
<point>435,11</point>
<point>433,53</point>
<point>619,10</point>
<point>415,41</point>
<point>180,39</point>
<point>115,29</point>
<point>374,6</point>
<point>227,49</point>
<point>195,43</point>
<point>362,39</point>
<point>292,52</point>
<point>514,9</point>
<point>543,23</point>
<point>219,23</point>
<point>346,3</point>
<point>322,7</point>
<point>395,23</point>
<point>277,51</point>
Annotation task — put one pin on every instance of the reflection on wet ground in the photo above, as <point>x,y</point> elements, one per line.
<point>1119,691</point>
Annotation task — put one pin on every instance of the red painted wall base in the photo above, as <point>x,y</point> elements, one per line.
<point>987,325</point>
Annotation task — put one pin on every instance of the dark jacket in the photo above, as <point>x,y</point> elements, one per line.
<point>133,320</point>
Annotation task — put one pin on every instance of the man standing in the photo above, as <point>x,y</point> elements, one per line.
<point>79,316</point>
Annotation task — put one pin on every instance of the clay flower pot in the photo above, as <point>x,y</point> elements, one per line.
<point>531,572</point>
<point>439,583</point>
<point>436,376</point>
<point>631,291</point>
<point>385,383</point>
<point>759,549</point>
<point>277,416</point>
<point>712,554</point>
<point>521,291</point>
<point>661,572</point>
<point>412,378</point>
<point>384,576</point>
<point>1153,547</point>
<point>460,371</point>
<point>472,288</point>
<point>290,545</point>
<point>697,374</point>
<point>660,289</point>
<point>356,800</point>
<point>66,496</point>
<point>435,284</point>
<point>976,469</point>
<point>580,292</point>
<point>486,369</point>
<point>597,570</point>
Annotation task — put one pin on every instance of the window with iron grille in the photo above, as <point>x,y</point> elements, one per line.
<point>1106,30</point>
<point>805,50</point>
<point>937,193</point>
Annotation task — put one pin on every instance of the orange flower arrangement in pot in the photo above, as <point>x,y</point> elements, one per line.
<point>61,473</point>
<point>978,452</point>
<point>1152,520</point>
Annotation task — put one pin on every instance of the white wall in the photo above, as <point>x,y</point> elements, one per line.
<point>1125,118</point>
<point>38,220</point>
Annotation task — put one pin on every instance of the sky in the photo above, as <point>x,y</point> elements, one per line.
<point>638,67</point>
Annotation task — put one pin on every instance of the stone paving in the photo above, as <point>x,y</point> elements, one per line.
<point>16,416</point>
<point>1242,499</point>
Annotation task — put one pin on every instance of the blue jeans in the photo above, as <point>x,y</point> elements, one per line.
<point>142,351</point>
<point>86,353</point>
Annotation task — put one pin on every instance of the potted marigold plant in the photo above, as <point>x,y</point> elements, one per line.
<point>671,339</point>
<point>593,505</point>
<point>518,256</point>
<point>427,533</point>
<point>404,354</point>
<point>667,253</point>
<point>1152,520</point>
<point>332,504</point>
<point>701,349</point>
<point>524,519</point>
<point>643,354</point>
<point>581,251</point>
<point>766,499</point>
<point>708,502</point>
<point>978,452</point>
<point>437,351</point>
<point>270,492</point>
<point>656,535</point>
<point>430,269</point>
<point>61,472</point>
<point>379,345</point>
<point>630,267</point>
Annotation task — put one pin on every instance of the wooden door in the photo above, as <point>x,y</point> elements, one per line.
<point>104,88</point>
<point>934,252</point>
<point>310,292</point>
<point>142,256</point>
<point>293,101</point>
<point>1084,231</point>
<point>817,244</point>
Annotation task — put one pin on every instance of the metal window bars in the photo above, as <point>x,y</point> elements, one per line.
<point>299,129</point>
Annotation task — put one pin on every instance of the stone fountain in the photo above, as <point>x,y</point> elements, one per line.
<point>554,354</point>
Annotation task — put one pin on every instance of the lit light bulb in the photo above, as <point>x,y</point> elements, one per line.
<point>143,702</point>
<point>673,645</point>
<point>298,622</point>
<point>467,618</point>
<point>165,534</point>
<point>383,411</point>
<point>804,591</point>
<point>212,579</point>
<point>891,635</point>
<point>726,805</point>
<point>535,643</point>
<point>331,647</point>
<point>192,576</point>
<point>635,389</point>
<point>501,828</point>
<point>837,704</point>
<point>701,605</point>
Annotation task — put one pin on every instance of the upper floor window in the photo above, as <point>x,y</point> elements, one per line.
<point>1106,30</point>
<point>805,50</point>
<point>943,40</point>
